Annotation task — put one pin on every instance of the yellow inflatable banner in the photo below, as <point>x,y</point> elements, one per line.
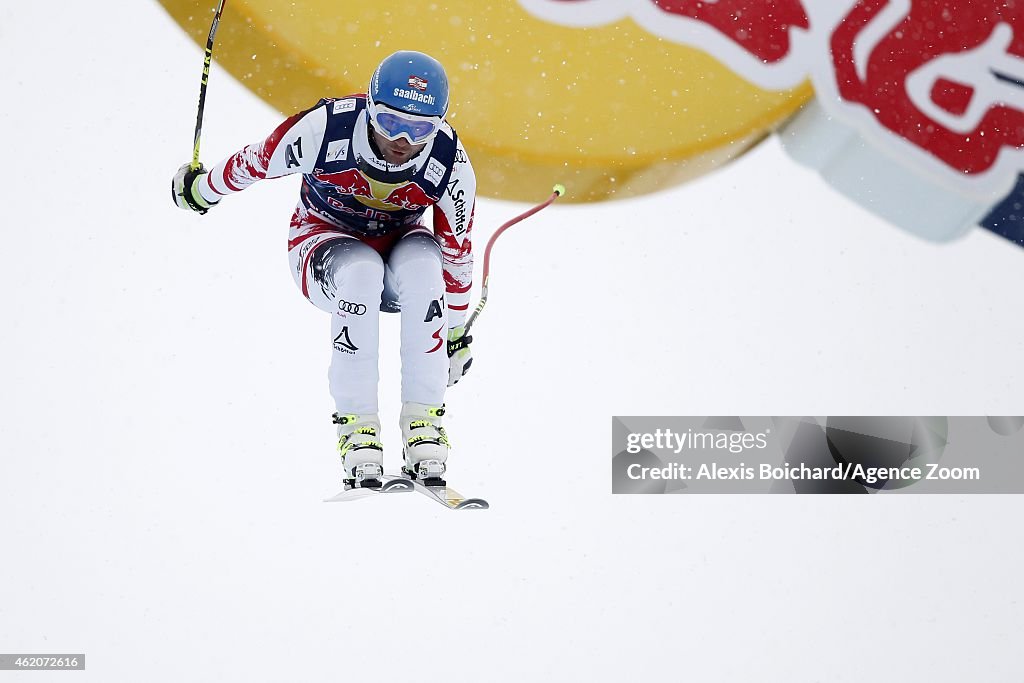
<point>603,105</point>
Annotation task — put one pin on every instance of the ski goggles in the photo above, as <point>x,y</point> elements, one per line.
<point>393,125</point>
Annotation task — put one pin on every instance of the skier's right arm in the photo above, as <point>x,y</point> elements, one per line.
<point>293,147</point>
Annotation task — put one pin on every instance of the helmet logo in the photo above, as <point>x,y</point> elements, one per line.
<point>414,96</point>
<point>418,83</point>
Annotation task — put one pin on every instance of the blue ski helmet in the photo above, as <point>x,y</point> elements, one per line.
<point>411,82</point>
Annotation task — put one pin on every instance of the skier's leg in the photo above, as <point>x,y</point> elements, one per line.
<point>349,278</point>
<point>414,272</point>
<point>341,275</point>
<point>351,275</point>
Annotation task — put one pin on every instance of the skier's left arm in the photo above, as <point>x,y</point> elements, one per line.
<point>453,227</point>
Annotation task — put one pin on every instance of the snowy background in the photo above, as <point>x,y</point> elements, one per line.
<point>165,439</point>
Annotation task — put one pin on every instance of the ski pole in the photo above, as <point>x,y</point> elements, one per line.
<point>202,87</point>
<point>556,192</point>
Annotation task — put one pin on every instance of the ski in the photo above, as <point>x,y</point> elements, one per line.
<point>450,498</point>
<point>391,484</point>
<point>445,495</point>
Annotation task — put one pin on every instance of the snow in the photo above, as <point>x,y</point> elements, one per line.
<point>165,439</point>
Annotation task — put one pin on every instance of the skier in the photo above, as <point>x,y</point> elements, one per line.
<point>372,164</point>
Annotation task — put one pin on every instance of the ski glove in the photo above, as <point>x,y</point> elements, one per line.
<point>459,355</point>
<point>184,191</point>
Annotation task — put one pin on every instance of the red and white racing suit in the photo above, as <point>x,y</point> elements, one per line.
<point>358,244</point>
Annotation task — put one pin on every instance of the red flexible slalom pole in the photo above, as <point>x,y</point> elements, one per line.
<point>556,192</point>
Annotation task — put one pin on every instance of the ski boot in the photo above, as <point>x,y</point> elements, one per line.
<point>362,455</point>
<point>424,443</point>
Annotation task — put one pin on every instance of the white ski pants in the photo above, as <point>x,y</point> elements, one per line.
<point>353,282</point>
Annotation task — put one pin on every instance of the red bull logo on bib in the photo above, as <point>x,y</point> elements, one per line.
<point>409,195</point>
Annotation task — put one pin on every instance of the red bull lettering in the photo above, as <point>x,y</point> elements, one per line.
<point>940,82</point>
<point>946,76</point>
<point>764,41</point>
<point>761,28</point>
